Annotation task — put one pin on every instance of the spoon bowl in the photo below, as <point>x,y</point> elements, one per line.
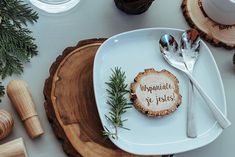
<point>170,52</point>
<point>190,45</point>
<point>190,40</point>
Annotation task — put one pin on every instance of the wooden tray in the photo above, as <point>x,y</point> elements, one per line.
<point>217,34</point>
<point>70,104</point>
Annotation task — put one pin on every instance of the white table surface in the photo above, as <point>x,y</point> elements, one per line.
<point>101,18</point>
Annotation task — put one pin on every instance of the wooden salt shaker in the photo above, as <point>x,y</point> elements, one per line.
<point>15,148</point>
<point>21,98</point>
<point>6,123</point>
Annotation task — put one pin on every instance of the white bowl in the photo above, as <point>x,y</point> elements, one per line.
<point>221,11</point>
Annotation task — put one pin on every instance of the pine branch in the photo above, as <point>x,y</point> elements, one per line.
<point>1,91</point>
<point>18,12</point>
<point>117,89</point>
<point>16,43</point>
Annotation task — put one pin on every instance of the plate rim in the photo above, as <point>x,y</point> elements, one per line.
<point>211,139</point>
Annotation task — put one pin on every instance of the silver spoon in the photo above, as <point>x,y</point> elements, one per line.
<point>169,50</point>
<point>190,44</point>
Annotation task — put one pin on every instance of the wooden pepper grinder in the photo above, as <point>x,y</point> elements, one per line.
<point>21,98</point>
<point>6,123</point>
<point>15,148</point>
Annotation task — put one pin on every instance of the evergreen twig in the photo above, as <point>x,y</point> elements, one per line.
<point>18,12</point>
<point>1,91</point>
<point>117,89</point>
<point>16,43</point>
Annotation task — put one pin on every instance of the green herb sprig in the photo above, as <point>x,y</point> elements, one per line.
<point>116,91</point>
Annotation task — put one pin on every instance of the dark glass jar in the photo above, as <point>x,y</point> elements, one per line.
<point>133,6</point>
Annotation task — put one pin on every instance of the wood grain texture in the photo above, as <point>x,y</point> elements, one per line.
<point>6,123</point>
<point>217,34</point>
<point>70,103</point>
<point>21,99</point>
<point>15,148</point>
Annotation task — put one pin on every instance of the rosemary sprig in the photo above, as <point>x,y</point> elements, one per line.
<point>117,89</point>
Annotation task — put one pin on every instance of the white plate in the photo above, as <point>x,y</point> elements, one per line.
<point>135,51</point>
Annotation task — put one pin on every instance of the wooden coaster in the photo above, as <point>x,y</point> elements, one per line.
<point>70,104</point>
<point>217,34</point>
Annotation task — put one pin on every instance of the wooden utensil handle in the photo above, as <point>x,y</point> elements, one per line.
<point>15,148</point>
<point>21,98</point>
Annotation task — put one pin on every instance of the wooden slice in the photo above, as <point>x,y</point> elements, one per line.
<point>155,93</point>
<point>215,33</point>
<point>70,103</point>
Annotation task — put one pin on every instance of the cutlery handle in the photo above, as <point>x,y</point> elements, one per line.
<point>219,116</point>
<point>21,98</point>
<point>191,125</point>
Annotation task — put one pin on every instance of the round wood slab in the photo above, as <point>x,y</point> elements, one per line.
<point>70,104</point>
<point>215,33</point>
